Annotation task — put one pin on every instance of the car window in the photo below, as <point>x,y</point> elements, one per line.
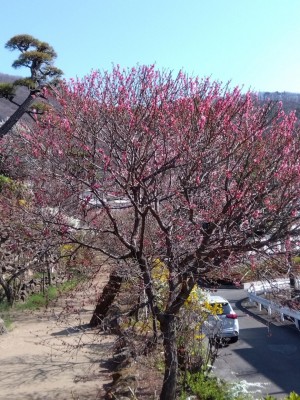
<point>223,307</point>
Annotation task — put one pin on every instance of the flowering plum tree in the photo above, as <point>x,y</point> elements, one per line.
<point>24,247</point>
<point>176,169</point>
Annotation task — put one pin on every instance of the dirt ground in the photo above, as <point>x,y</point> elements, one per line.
<point>53,354</point>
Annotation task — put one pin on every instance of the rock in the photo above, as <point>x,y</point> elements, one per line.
<point>3,329</point>
<point>122,355</point>
<point>124,384</point>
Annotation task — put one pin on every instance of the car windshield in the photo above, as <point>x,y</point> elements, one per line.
<point>223,308</point>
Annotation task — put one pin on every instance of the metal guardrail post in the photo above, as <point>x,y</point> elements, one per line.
<point>281,317</point>
<point>269,310</point>
<point>257,289</point>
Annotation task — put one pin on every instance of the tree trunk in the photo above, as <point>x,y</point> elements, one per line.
<point>111,289</point>
<point>168,328</point>
<point>49,274</point>
<point>8,290</point>
<point>9,293</point>
<point>17,115</point>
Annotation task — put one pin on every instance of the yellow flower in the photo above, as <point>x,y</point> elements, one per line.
<point>66,248</point>
<point>200,337</point>
<point>159,271</point>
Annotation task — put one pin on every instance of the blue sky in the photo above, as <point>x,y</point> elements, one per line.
<point>253,43</point>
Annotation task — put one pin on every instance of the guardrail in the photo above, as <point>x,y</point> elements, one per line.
<point>257,288</point>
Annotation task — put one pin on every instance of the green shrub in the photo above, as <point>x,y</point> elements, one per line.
<point>296,260</point>
<point>205,387</point>
<point>293,396</point>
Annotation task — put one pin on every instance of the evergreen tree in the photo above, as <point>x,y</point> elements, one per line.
<point>38,57</point>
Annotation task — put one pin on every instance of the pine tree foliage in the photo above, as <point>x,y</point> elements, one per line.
<point>39,58</point>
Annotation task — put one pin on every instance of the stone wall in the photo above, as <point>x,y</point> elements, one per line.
<point>38,285</point>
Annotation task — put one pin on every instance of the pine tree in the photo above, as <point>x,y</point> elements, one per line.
<point>38,57</point>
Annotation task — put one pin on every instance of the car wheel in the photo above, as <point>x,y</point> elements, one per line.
<point>234,339</point>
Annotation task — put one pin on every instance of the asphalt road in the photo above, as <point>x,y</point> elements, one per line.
<point>266,359</point>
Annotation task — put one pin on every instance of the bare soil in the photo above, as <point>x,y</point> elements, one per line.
<point>52,354</point>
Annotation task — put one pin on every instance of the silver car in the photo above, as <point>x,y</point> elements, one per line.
<point>223,325</point>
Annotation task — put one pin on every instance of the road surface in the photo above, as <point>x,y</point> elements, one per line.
<point>266,359</point>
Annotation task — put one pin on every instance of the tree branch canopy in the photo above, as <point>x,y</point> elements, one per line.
<point>22,43</point>
<point>166,169</point>
<point>206,174</point>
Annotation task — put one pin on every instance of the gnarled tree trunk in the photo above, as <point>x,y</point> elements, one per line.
<point>17,115</point>
<point>110,291</point>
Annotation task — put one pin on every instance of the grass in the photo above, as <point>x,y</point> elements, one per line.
<point>69,285</point>
<point>4,307</point>
<point>40,300</point>
<point>8,322</point>
<point>36,301</point>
